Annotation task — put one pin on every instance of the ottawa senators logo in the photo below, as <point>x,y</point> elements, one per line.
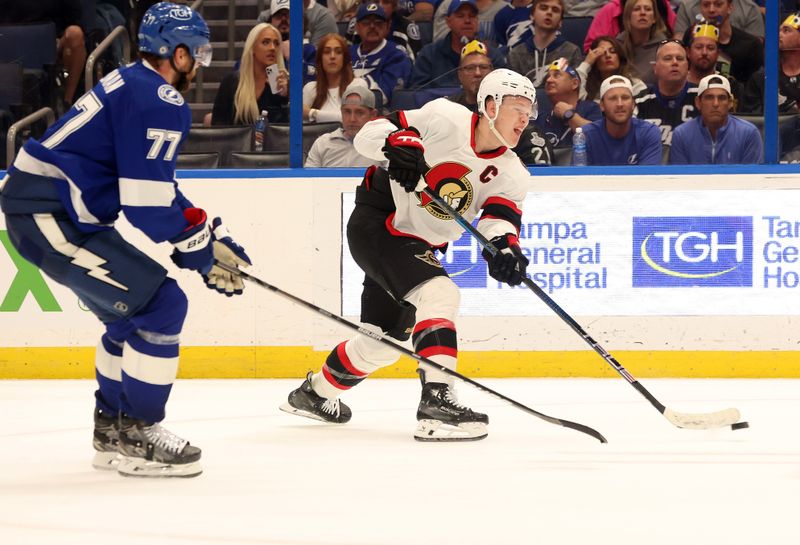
<point>449,181</point>
<point>429,258</point>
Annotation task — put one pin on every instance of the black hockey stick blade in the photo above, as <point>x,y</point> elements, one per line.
<point>421,359</point>
<point>696,421</point>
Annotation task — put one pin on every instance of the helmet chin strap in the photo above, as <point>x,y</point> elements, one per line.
<point>494,131</point>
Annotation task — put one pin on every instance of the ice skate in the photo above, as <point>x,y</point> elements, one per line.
<point>306,402</point>
<point>105,441</point>
<point>442,418</point>
<point>150,450</point>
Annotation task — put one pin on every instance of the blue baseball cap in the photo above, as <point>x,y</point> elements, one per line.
<point>372,9</point>
<point>455,4</point>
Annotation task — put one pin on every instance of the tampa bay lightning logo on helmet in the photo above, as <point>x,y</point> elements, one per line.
<point>165,26</point>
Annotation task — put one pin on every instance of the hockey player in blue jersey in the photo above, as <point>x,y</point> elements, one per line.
<point>113,152</point>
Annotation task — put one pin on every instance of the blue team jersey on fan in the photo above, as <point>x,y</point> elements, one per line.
<point>116,150</point>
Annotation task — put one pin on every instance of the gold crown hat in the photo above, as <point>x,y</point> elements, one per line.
<point>474,47</point>
<point>705,30</point>
<point>793,21</point>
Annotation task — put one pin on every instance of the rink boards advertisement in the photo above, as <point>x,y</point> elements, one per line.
<point>685,281</point>
<point>625,253</point>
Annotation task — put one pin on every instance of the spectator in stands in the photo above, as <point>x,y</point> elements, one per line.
<point>745,15</point>
<point>402,30</point>
<point>619,138</point>
<point>538,49</point>
<point>343,10</point>
<point>487,10</point>
<point>715,136</point>
<point>702,51</point>
<point>335,149</point>
<point>788,73</point>
<point>322,100</point>
<point>474,65</point>
<point>741,53</point>
<point>583,8</point>
<point>437,62</point>
<point>320,20</point>
<point>644,31</point>
<point>243,94</point>
<point>511,22</point>
<point>605,58</point>
<point>419,10</point>
<point>533,148</point>
<point>789,135</point>
<point>609,20</point>
<point>279,18</point>
<point>562,87</point>
<point>383,64</point>
<point>670,101</point>
<point>71,46</point>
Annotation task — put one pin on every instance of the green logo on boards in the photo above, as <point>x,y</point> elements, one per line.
<point>27,279</point>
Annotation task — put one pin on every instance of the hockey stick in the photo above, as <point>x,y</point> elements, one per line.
<point>695,421</point>
<point>421,359</point>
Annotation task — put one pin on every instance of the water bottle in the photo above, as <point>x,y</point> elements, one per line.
<point>260,126</point>
<point>579,148</point>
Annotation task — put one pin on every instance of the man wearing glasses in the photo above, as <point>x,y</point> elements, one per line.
<point>382,63</point>
<point>715,137</point>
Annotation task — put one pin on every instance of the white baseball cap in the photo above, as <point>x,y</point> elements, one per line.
<point>276,5</point>
<point>714,81</point>
<point>613,82</point>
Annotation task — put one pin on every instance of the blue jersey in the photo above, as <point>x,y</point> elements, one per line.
<point>115,150</point>
<point>383,67</point>
<point>640,146</point>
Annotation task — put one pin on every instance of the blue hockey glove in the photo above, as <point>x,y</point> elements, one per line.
<point>193,248</point>
<point>508,264</point>
<point>231,254</point>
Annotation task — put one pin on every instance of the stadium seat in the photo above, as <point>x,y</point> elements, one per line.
<point>409,99</point>
<point>198,160</point>
<point>255,159</point>
<point>665,154</point>
<point>10,85</point>
<point>425,31</point>
<point>221,139</point>
<point>574,29</point>
<point>276,135</point>
<point>34,47</point>
<point>562,157</point>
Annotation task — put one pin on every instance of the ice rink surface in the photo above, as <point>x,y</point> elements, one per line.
<point>276,479</point>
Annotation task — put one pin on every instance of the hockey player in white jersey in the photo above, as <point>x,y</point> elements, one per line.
<point>395,229</point>
<point>115,151</point>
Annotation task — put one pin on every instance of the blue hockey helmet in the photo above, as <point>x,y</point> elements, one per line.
<point>165,26</point>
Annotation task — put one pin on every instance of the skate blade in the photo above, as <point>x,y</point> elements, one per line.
<point>139,467</point>
<point>436,430</point>
<point>299,412</point>
<point>106,461</point>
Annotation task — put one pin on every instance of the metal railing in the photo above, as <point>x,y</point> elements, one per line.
<point>120,31</point>
<point>26,121</point>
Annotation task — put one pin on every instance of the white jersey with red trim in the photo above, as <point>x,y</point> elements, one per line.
<point>495,182</point>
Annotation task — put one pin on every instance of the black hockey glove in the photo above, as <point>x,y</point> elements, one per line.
<point>508,264</point>
<point>404,151</point>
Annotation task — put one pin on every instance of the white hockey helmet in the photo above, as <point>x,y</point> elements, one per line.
<point>502,82</point>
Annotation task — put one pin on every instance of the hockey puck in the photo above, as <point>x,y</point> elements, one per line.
<point>740,425</point>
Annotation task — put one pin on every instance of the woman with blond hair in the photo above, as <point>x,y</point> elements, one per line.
<point>322,99</point>
<point>644,31</point>
<point>243,94</point>
<point>606,58</point>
